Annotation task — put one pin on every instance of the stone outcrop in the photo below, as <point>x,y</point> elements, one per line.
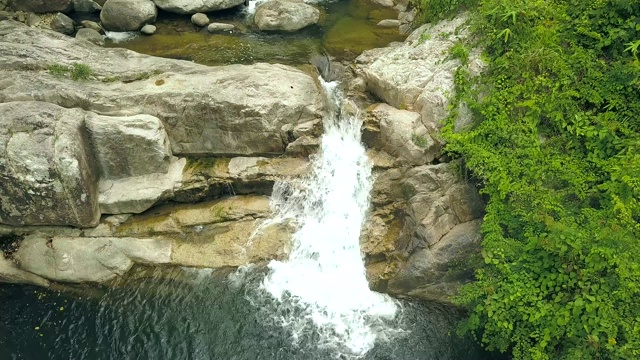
<point>46,174</point>
<point>418,75</point>
<point>127,15</point>
<point>79,260</point>
<point>285,15</point>
<point>192,7</point>
<point>226,110</point>
<point>427,215</point>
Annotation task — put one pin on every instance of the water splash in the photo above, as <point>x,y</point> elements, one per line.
<point>120,37</point>
<point>323,286</point>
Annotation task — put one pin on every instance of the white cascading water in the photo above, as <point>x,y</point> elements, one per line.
<point>324,278</point>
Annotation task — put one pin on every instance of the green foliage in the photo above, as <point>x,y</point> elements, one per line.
<point>76,72</point>
<point>80,72</point>
<point>58,69</point>
<point>432,10</point>
<point>419,141</point>
<point>557,152</point>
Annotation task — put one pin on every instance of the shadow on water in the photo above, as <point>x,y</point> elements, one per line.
<point>347,28</point>
<point>182,313</point>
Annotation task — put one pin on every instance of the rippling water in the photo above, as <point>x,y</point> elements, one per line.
<point>179,313</point>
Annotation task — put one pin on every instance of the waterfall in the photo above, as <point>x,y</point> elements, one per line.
<point>323,286</point>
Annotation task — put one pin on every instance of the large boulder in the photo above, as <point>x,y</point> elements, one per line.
<point>86,6</point>
<point>192,7</point>
<point>226,110</point>
<point>10,273</point>
<point>46,168</point>
<point>418,75</point>
<point>41,6</point>
<point>127,15</point>
<point>80,260</point>
<point>62,24</point>
<point>285,15</point>
<point>419,213</point>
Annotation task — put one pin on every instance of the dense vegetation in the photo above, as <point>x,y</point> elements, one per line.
<point>556,150</point>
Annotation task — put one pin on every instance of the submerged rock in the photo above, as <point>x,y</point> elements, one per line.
<point>127,15</point>
<point>192,7</point>
<point>285,15</point>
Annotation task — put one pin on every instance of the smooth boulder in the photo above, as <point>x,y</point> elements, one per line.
<point>285,15</point>
<point>46,170</point>
<point>90,35</point>
<point>127,15</point>
<point>86,6</point>
<point>192,7</point>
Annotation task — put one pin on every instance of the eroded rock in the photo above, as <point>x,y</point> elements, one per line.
<point>46,170</point>
<point>41,6</point>
<point>192,7</point>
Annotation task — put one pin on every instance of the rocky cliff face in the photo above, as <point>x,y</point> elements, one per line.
<point>160,161</point>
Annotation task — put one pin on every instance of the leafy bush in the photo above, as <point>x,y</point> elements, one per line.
<point>557,152</point>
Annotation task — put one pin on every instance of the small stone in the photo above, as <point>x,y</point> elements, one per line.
<point>213,27</point>
<point>92,25</point>
<point>389,23</point>
<point>21,16</point>
<point>33,19</point>
<point>62,24</point>
<point>91,36</point>
<point>200,19</point>
<point>148,29</point>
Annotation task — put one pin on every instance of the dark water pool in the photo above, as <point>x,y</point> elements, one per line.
<point>178,313</point>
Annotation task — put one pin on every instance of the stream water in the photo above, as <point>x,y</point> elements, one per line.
<point>346,29</point>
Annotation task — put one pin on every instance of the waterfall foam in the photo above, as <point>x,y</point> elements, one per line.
<point>323,284</point>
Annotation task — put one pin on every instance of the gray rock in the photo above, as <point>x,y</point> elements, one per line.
<point>215,27</point>
<point>79,260</point>
<point>86,6</point>
<point>200,19</point>
<point>46,174</point>
<point>285,15</point>
<point>129,146</point>
<point>92,25</point>
<point>62,24</point>
<point>136,194</point>
<point>436,273</point>
<point>127,15</point>
<point>148,29</point>
<point>5,15</point>
<point>41,6</point>
<point>192,7</point>
<point>90,35</point>
<point>385,3</point>
<point>222,111</point>
<point>33,19</point>
<point>416,75</point>
<point>403,136</point>
<point>389,23</point>
<point>10,273</point>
